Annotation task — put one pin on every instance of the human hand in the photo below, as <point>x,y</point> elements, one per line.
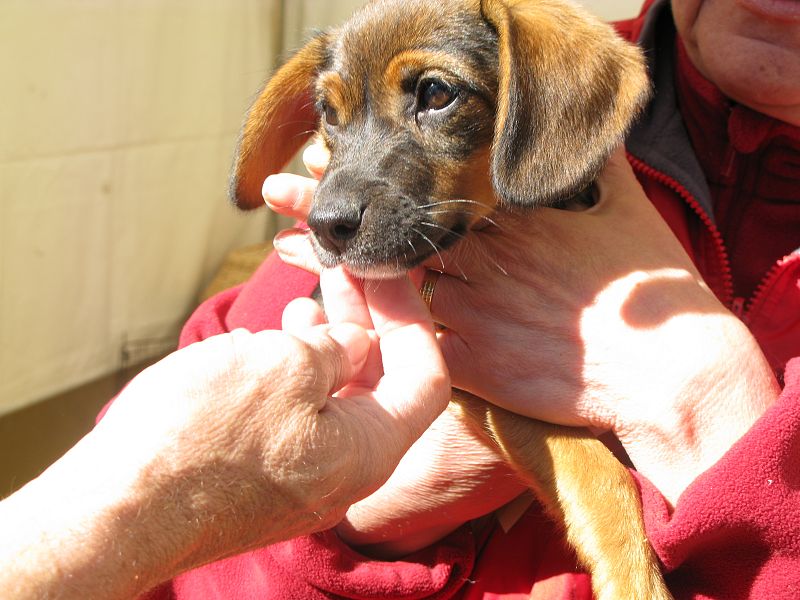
<point>449,476</point>
<point>598,318</point>
<point>230,444</point>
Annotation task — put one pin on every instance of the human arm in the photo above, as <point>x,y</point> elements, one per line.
<point>734,532</point>
<point>229,444</point>
<point>732,523</point>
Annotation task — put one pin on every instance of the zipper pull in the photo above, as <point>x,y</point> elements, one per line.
<point>737,306</point>
<point>729,167</point>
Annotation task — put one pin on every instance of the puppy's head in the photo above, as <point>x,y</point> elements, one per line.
<point>436,111</point>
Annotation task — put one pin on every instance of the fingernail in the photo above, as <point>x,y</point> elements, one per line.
<point>268,189</point>
<point>285,242</point>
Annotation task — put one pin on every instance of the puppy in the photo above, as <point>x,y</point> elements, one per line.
<point>435,112</point>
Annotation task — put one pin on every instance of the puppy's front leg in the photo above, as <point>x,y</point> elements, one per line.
<point>584,488</point>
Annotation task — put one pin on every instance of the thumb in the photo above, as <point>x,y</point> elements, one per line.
<point>617,182</point>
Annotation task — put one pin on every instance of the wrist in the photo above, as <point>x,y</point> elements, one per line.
<point>724,384</point>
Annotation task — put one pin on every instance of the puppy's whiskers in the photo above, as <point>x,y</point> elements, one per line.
<point>290,123</point>
<point>468,213</point>
<point>460,208</point>
<point>433,245</point>
<point>371,284</point>
<point>443,228</point>
<point>452,201</point>
<point>304,133</point>
<point>491,221</point>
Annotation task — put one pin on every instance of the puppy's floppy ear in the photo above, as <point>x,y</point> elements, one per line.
<point>281,119</point>
<point>569,89</point>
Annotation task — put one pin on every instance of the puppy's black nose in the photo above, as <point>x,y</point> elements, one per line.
<point>334,227</point>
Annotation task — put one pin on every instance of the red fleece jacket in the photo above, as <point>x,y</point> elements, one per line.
<point>735,532</point>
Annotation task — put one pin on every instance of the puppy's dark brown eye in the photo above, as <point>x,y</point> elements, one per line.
<point>435,94</point>
<point>331,116</point>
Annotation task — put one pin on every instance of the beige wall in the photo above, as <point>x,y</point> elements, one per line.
<point>117,124</point>
<point>613,9</point>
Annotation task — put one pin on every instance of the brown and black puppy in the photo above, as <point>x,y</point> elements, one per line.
<point>436,112</point>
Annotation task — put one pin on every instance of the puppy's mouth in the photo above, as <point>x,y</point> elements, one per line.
<point>387,243</point>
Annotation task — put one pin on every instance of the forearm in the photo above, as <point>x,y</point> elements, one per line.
<point>228,445</point>
<point>69,534</point>
<point>101,524</point>
<point>735,529</point>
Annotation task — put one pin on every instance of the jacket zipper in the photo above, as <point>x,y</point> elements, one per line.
<point>727,276</point>
<point>766,281</point>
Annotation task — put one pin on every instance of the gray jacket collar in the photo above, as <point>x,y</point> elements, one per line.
<point>659,137</point>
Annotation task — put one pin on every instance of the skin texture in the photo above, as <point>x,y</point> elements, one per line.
<point>631,341</point>
<point>751,52</point>
<point>229,444</point>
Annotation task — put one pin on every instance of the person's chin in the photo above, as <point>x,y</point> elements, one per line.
<point>757,73</point>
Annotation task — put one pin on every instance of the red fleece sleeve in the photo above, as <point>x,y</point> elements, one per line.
<point>735,532</point>
<point>321,566</point>
<point>257,305</point>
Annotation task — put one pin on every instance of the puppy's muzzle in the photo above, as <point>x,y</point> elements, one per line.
<point>375,225</point>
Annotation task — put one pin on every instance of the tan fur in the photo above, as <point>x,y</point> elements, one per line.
<point>576,66</point>
<point>286,109</point>
<point>338,95</point>
<point>566,90</point>
<point>584,487</point>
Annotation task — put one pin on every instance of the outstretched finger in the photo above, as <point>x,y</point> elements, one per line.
<point>295,248</point>
<point>289,195</point>
<point>416,385</point>
<point>344,298</point>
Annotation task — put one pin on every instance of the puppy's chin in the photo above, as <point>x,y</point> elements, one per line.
<point>375,273</point>
<point>361,270</point>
